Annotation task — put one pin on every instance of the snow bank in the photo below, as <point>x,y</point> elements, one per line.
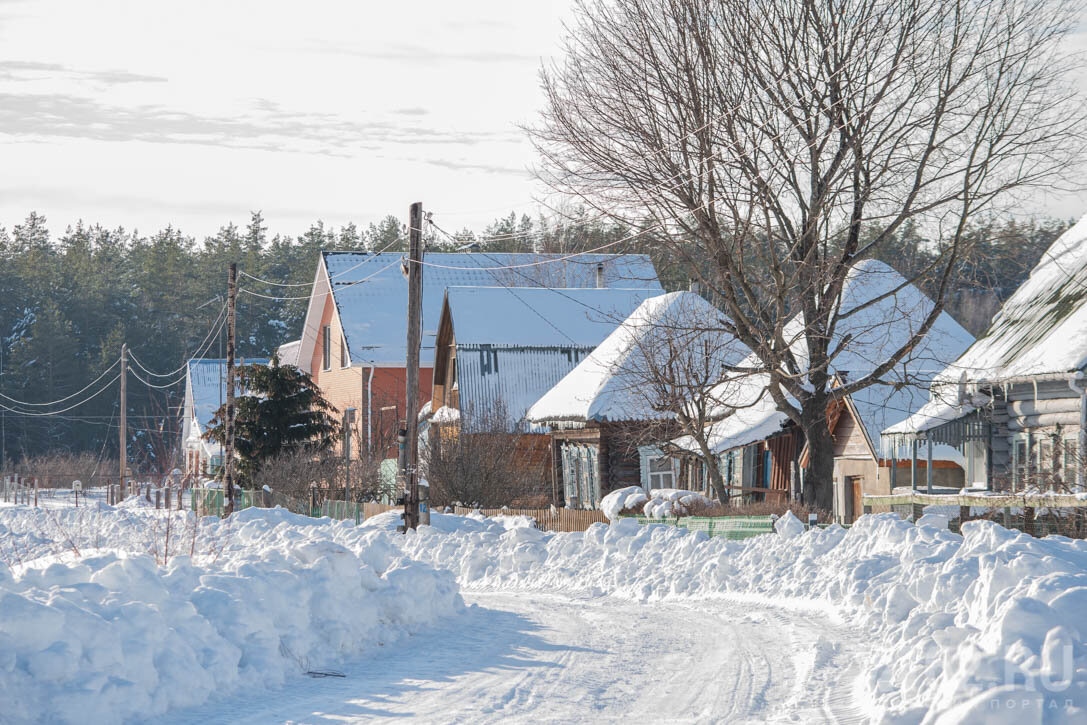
<point>965,624</point>
<point>94,630</point>
<point>445,415</point>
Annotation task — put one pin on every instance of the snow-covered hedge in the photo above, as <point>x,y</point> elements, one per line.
<point>957,623</point>
<point>108,634</point>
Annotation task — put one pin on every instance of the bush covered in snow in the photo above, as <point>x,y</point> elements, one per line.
<point>660,503</point>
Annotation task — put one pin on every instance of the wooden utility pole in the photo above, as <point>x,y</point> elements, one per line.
<point>228,448</point>
<point>123,455</point>
<point>415,301</point>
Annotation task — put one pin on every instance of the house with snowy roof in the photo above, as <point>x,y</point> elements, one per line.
<point>498,349</point>
<point>601,412</point>
<point>762,453</point>
<point>1014,404</point>
<point>354,340</point>
<point>205,393</point>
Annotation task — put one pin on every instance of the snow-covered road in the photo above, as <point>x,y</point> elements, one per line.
<point>529,657</point>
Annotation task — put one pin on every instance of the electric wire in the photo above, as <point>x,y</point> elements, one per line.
<point>342,287</point>
<point>66,398</point>
<point>215,326</point>
<point>386,248</point>
<point>74,405</point>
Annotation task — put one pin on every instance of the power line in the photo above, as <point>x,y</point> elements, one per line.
<point>331,277</point>
<point>61,400</point>
<point>74,405</point>
<point>201,348</point>
<point>342,287</point>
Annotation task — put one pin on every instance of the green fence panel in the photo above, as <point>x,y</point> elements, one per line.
<point>733,528</point>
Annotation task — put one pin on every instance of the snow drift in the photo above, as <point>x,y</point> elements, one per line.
<point>981,628</point>
<point>94,630</point>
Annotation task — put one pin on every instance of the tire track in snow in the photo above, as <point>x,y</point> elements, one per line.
<point>541,658</point>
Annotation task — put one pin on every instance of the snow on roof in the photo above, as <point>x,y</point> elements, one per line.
<point>206,383</point>
<point>373,313</point>
<point>540,316</point>
<point>865,337</point>
<point>514,344</point>
<point>610,384</point>
<point>932,414</point>
<point>288,352</point>
<point>746,425</point>
<point>1042,328</point>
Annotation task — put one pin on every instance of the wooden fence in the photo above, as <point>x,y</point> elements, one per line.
<point>1038,514</point>
<point>547,519</point>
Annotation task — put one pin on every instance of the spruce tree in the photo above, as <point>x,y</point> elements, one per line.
<point>282,410</point>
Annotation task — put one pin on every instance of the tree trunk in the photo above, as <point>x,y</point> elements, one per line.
<point>714,471</point>
<point>819,481</point>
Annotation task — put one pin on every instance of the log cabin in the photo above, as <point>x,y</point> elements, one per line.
<point>602,413</point>
<point>1015,403</point>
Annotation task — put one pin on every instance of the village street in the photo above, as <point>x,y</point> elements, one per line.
<point>530,657</point>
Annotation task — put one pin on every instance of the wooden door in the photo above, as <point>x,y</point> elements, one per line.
<point>857,483</point>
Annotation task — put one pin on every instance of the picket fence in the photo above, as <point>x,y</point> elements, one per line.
<point>210,502</point>
<point>549,519</point>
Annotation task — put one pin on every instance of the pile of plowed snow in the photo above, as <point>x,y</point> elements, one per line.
<point>103,620</point>
<point>981,628</point>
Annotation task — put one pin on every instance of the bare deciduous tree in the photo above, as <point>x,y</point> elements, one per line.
<point>482,460</point>
<point>785,140</point>
<point>672,373</point>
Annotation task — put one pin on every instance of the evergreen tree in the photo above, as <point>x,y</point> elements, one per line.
<point>282,411</point>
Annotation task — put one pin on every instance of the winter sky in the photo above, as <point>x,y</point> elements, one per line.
<point>145,114</point>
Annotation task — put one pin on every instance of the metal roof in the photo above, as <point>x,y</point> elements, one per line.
<point>373,312</point>
<point>505,380</point>
<point>540,316</point>
<point>1042,328</point>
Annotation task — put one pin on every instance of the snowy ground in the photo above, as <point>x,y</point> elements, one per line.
<point>549,658</point>
<point>887,622</point>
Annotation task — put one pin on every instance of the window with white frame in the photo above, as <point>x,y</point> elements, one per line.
<point>343,352</point>
<point>662,472</point>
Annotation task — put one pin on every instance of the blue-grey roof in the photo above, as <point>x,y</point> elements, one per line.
<point>374,312</point>
<point>206,375</point>
<point>540,316</point>
<point>515,343</point>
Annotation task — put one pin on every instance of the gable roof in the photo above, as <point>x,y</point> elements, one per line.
<point>608,385</point>
<point>513,344</point>
<point>371,292</point>
<point>1042,328</point>
<point>871,334</point>
<point>539,316</point>
<point>205,382</point>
